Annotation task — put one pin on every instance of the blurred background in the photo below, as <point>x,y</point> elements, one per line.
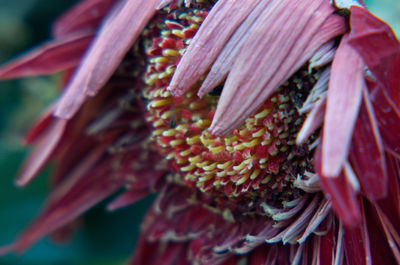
<point>107,238</point>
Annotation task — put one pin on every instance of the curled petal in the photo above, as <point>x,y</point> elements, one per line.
<point>119,31</point>
<point>215,31</point>
<point>86,15</point>
<point>343,101</point>
<point>54,56</point>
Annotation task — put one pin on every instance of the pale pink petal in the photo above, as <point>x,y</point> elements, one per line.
<point>223,64</point>
<point>42,152</point>
<point>222,21</point>
<point>119,31</point>
<point>367,154</point>
<point>344,98</point>
<point>323,56</point>
<point>54,56</point>
<point>268,60</point>
<point>314,121</point>
<point>163,3</point>
<point>86,15</point>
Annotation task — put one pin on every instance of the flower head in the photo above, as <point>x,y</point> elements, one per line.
<point>267,127</point>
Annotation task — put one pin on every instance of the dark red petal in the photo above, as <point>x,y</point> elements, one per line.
<point>376,43</point>
<point>86,15</point>
<point>340,192</point>
<point>388,117</point>
<point>118,33</point>
<point>40,126</point>
<point>367,154</point>
<point>357,243</point>
<point>343,101</point>
<point>54,56</point>
<point>127,198</point>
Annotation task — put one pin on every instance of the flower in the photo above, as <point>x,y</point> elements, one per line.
<point>267,127</point>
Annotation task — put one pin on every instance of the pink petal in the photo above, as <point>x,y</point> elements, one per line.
<point>84,16</point>
<point>376,43</point>
<point>314,120</point>
<point>117,35</point>
<point>42,152</point>
<point>54,56</point>
<point>344,98</point>
<point>340,192</point>
<point>44,121</point>
<point>223,19</point>
<point>223,64</point>
<point>268,58</point>
<point>366,153</point>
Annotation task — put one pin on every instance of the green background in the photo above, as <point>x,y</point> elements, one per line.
<point>107,238</point>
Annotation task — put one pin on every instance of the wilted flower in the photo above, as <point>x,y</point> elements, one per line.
<point>269,128</point>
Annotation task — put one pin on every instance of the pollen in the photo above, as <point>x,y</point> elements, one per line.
<point>256,159</point>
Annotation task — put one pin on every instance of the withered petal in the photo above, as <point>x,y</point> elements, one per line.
<point>270,56</point>
<point>222,21</point>
<point>119,31</point>
<point>54,56</point>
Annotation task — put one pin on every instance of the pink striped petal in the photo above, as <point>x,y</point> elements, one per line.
<point>117,35</point>
<point>366,153</point>
<point>223,64</point>
<point>340,192</point>
<point>54,56</point>
<point>42,152</point>
<point>344,98</point>
<point>376,43</point>
<point>222,21</point>
<point>84,16</point>
<point>268,60</point>
<point>314,120</point>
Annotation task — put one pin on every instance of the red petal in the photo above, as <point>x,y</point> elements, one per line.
<point>86,15</point>
<point>40,126</point>
<point>357,244</point>
<point>127,198</point>
<point>378,46</point>
<point>343,101</point>
<point>117,35</point>
<point>388,117</point>
<point>340,192</point>
<point>223,19</point>
<point>367,153</point>
<point>54,56</point>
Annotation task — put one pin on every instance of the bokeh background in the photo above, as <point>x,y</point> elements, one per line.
<point>104,238</point>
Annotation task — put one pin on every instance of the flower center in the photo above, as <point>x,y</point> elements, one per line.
<point>258,160</point>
